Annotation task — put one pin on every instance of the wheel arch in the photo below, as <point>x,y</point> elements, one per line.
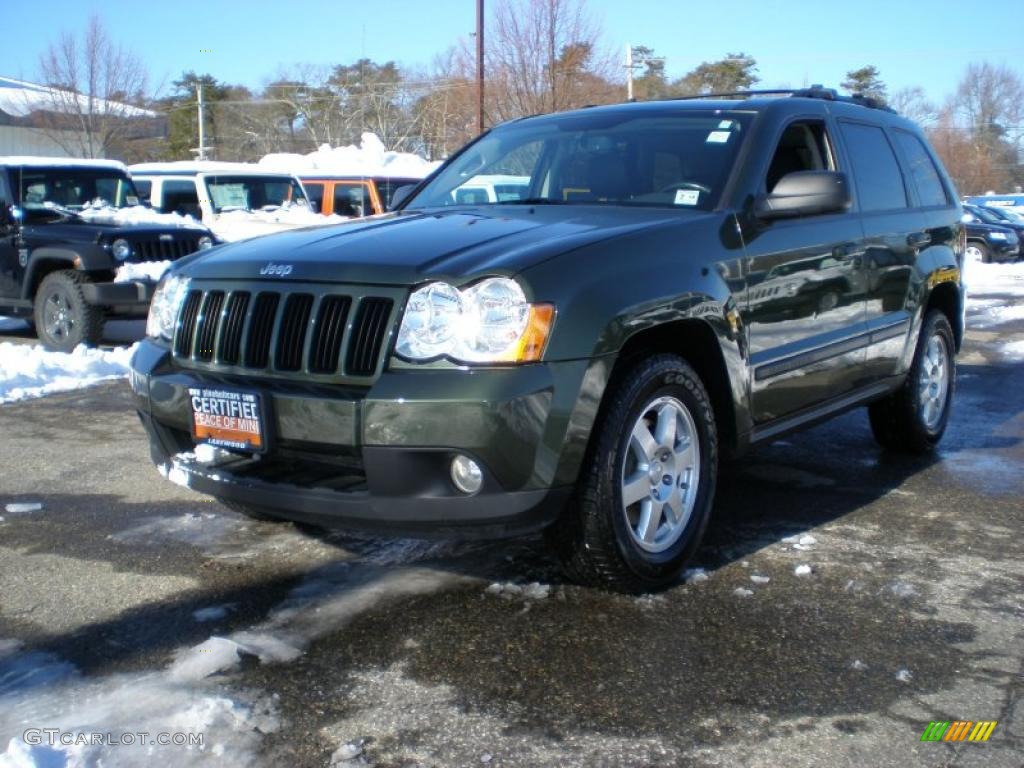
<point>43,262</point>
<point>697,342</point>
<point>946,298</point>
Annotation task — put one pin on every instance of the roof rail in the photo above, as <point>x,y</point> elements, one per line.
<point>813,92</point>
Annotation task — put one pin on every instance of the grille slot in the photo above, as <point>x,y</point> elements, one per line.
<point>291,336</point>
<point>206,328</point>
<point>163,250</point>
<point>231,330</point>
<point>325,351</point>
<point>187,328</point>
<point>368,334</point>
<point>257,353</point>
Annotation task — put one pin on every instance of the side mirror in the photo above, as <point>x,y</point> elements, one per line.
<point>805,193</point>
<point>401,195</point>
<point>967,218</point>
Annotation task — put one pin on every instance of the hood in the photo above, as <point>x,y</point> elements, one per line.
<point>408,248</point>
<point>79,231</point>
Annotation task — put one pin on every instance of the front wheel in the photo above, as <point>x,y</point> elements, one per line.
<point>977,251</point>
<point>913,419</point>
<point>645,491</point>
<point>63,318</point>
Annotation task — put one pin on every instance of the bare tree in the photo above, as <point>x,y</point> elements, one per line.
<point>95,87</point>
<point>545,56</point>
<point>912,103</point>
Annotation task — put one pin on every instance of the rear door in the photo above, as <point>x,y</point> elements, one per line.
<point>894,235</point>
<point>805,297</point>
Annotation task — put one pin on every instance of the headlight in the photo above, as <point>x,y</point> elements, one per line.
<point>121,249</point>
<point>205,242</point>
<point>996,235</point>
<point>163,311</point>
<point>488,322</point>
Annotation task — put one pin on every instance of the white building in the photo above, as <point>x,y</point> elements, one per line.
<point>22,103</point>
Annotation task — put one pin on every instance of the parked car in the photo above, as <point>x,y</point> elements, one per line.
<point>989,237</point>
<point>1012,202</point>
<point>577,358</point>
<point>235,200</point>
<point>66,229</point>
<point>353,196</point>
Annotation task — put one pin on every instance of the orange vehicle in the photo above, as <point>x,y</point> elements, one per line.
<point>353,196</point>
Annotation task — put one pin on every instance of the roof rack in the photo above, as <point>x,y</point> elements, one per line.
<point>814,92</point>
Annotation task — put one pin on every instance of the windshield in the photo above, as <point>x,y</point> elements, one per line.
<point>607,158</point>
<point>253,193</point>
<point>74,188</point>
<point>987,216</point>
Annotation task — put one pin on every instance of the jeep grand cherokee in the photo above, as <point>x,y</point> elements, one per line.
<point>677,281</point>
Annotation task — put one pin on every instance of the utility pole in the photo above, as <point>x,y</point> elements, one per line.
<point>480,66</point>
<point>629,72</point>
<point>201,152</point>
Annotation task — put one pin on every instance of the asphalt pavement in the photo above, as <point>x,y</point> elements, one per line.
<point>843,600</point>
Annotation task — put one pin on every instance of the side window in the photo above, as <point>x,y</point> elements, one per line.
<point>352,200</point>
<point>922,170</point>
<point>803,147</point>
<point>875,170</point>
<point>144,188</point>
<point>315,192</point>
<point>179,196</point>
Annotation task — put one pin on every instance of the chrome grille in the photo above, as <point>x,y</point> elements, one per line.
<point>317,332</point>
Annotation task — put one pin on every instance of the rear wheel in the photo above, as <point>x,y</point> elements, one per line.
<point>914,418</point>
<point>645,491</point>
<point>63,319</point>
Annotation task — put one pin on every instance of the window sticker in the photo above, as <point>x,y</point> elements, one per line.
<point>687,196</point>
<point>718,137</point>
<point>131,200</point>
<point>725,124</point>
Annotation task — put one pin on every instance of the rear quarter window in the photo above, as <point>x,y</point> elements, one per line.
<point>875,169</point>
<point>926,178</point>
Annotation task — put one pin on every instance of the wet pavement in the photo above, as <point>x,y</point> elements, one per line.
<point>846,599</point>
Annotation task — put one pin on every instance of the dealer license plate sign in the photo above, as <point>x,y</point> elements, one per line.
<point>227,418</point>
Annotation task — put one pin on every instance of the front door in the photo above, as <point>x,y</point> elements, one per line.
<point>10,268</point>
<point>804,303</point>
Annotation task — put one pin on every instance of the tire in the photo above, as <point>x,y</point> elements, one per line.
<point>63,319</point>
<point>981,252</point>
<point>254,513</point>
<point>907,420</point>
<point>599,539</point>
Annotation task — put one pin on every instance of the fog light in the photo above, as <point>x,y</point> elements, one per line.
<point>466,474</point>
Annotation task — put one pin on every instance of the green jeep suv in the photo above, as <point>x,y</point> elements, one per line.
<point>671,282</point>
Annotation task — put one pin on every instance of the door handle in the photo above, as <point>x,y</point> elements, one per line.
<point>919,239</point>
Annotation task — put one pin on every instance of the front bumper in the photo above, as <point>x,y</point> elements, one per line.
<point>1000,250</point>
<point>133,296</point>
<point>378,458</point>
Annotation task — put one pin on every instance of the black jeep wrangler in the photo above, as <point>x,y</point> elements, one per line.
<point>676,281</point>
<point>66,227</point>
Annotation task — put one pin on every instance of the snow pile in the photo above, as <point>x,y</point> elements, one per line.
<point>98,212</point>
<point>369,158</point>
<point>802,570</point>
<point>1013,351</point>
<point>240,224</point>
<point>31,371</point>
<point>23,507</point>
<point>146,270</point>
<point>509,591</point>
<point>997,279</point>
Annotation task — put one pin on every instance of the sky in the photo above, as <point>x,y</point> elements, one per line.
<point>795,42</point>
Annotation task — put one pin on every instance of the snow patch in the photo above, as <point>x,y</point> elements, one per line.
<point>1014,351</point>
<point>147,270</point>
<point>802,570</point>
<point>235,225</point>
<point>350,750</point>
<point>510,591</point>
<point>29,370</point>
<point>99,212</point>
<point>369,158</point>
<point>743,592</point>
<point>858,665</point>
<point>904,675</point>
<point>695,575</point>
<point>996,315</point>
<point>758,579</point>
<point>993,279</point>
<point>23,507</point>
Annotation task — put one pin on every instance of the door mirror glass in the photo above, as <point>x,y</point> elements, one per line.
<point>805,193</point>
